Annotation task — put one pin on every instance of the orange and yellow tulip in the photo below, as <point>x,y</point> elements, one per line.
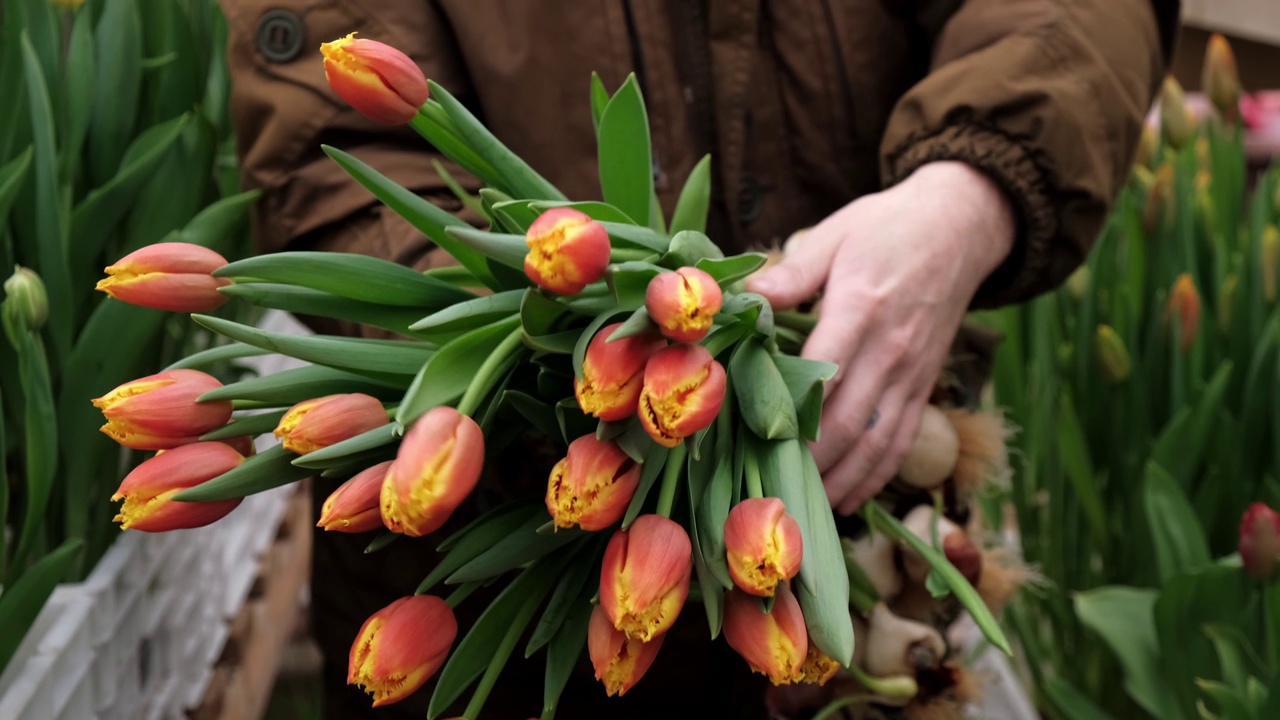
<point>567,251</point>
<point>683,389</point>
<point>314,424</point>
<point>148,490</point>
<point>1184,307</point>
<point>763,544</point>
<point>613,372</point>
<point>774,644</point>
<point>592,486</point>
<point>354,506</point>
<point>684,303</point>
<point>619,661</point>
<point>644,578</point>
<point>379,81</point>
<point>160,411</point>
<point>436,468</point>
<point>172,276</point>
<point>400,647</point>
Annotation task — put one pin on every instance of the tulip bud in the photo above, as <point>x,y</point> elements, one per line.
<point>567,251</point>
<point>1219,78</point>
<point>1111,354</point>
<point>1184,304</point>
<point>400,647</point>
<point>613,372</point>
<point>1269,260</point>
<point>644,578</point>
<point>148,490</point>
<point>379,81</point>
<point>683,389</point>
<point>24,292</point>
<point>684,303</point>
<point>763,545</point>
<point>436,468</point>
<point>160,411</point>
<point>619,661</point>
<point>774,644</point>
<point>1159,201</point>
<point>1226,302</point>
<point>1078,283</point>
<point>1174,120</point>
<point>314,424</point>
<point>592,486</point>
<point>1148,146</point>
<point>354,506</point>
<point>934,454</point>
<point>1260,541</point>
<point>170,276</point>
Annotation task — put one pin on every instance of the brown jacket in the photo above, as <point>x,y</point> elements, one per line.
<point>803,104</point>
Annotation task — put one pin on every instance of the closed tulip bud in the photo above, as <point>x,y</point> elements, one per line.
<point>567,251</point>
<point>774,644</point>
<point>354,506</point>
<point>148,490</point>
<point>763,545</point>
<point>619,661</point>
<point>1078,283</point>
<point>613,372</point>
<point>1159,201</point>
<point>160,411</point>
<point>170,276</point>
<point>683,303</point>
<point>1112,356</point>
<point>592,486</point>
<point>1260,541</point>
<point>1184,307</point>
<point>1219,78</point>
<point>436,468</point>
<point>24,292</point>
<point>400,647</point>
<point>683,390</point>
<point>1269,261</point>
<point>644,578</point>
<point>314,424</point>
<point>1226,301</point>
<point>1175,123</point>
<point>379,81</point>
<point>1148,145</point>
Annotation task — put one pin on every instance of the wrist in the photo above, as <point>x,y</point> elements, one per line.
<point>980,213</point>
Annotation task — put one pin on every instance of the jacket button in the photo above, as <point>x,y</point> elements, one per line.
<point>280,35</point>
<point>750,200</point>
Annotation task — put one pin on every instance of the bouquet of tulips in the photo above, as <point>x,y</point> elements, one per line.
<point>680,402</point>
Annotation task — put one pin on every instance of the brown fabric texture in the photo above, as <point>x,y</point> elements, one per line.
<point>804,105</point>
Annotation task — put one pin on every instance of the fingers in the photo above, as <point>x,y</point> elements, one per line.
<point>846,415</point>
<point>862,456</point>
<point>904,437</point>
<point>800,273</point>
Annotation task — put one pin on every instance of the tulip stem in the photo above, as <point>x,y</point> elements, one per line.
<point>457,596</point>
<point>483,379</point>
<point>751,471</point>
<point>833,708</point>
<point>670,479</point>
<point>500,656</point>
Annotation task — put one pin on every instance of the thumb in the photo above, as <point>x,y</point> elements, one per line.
<point>800,274</point>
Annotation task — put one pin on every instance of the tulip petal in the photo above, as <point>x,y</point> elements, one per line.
<point>619,662</point>
<point>644,578</point>
<point>774,644</point>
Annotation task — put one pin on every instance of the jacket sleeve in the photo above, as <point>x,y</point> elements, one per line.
<point>1047,97</point>
<point>283,111</point>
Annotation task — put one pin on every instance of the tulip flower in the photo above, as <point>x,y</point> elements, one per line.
<point>644,578</point>
<point>1111,354</point>
<point>619,661</point>
<point>147,491</point>
<point>1175,121</point>
<point>613,372</point>
<point>1219,78</point>
<point>242,444</point>
<point>683,390</point>
<point>379,81</point>
<point>314,424</point>
<point>25,291</point>
<point>1184,306</point>
<point>354,506</point>
<point>160,411</point>
<point>684,303</point>
<point>1260,541</point>
<point>567,251</point>
<point>436,468</point>
<point>400,647</point>
<point>592,486</point>
<point>763,544</point>
<point>170,276</point>
<point>774,644</point>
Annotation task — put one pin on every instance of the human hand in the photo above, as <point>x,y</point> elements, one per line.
<point>898,270</point>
